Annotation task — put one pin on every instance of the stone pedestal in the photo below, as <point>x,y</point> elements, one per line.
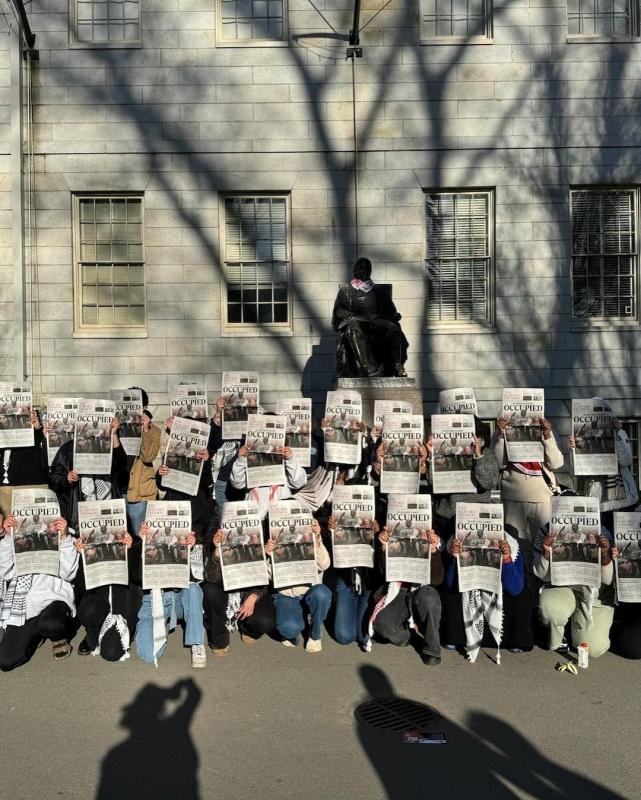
<point>372,389</point>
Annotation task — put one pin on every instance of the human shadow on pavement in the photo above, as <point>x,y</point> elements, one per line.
<point>158,760</point>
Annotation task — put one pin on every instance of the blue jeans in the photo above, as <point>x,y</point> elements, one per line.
<point>290,620</point>
<point>186,604</point>
<point>220,488</point>
<point>136,513</point>
<point>350,614</point>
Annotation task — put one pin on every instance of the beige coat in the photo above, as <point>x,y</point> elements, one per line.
<point>142,480</point>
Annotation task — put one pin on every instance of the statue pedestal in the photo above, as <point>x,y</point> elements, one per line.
<point>372,389</point>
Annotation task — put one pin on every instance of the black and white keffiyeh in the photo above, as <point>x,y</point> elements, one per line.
<point>95,488</point>
<point>14,604</point>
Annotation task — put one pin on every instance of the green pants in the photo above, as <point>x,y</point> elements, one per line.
<point>558,604</point>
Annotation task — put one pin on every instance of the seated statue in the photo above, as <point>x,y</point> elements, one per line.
<point>371,342</point>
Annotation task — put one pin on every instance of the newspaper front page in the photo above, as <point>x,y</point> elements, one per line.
<point>593,429</point>
<point>128,405</point>
<point>242,554</point>
<point>35,540</point>
<point>523,410</point>
<point>241,392</point>
<point>627,540</point>
<point>60,423</point>
<point>189,400</point>
<point>401,441</point>
<point>16,403</point>
<point>343,411</point>
<point>479,529</point>
<point>383,407</point>
<point>165,551</point>
<point>452,453</point>
<point>92,445</point>
<point>103,527</point>
<point>265,442</point>
<point>575,527</point>
<point>458,401</point>
<point>408,555</point>
<point>185,440</point>
<point>354,509</point>
<point>294,555</point>
<point>298,436</point>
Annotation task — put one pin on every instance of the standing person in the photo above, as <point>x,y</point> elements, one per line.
<point>24,467</point>
<point>224,456</point>
<point>142,484</point>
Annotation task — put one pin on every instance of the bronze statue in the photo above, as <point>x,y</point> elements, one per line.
<point>371,343</point>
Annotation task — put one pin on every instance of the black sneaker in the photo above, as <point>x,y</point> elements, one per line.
<point>431,661</point>
<point>83,648</point>
<point>563,648</point>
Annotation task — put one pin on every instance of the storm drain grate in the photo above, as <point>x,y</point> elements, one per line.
<point>395,714</point>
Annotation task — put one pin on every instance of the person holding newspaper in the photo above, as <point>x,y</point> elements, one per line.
<point>24,467</point>
<point>142,484</point>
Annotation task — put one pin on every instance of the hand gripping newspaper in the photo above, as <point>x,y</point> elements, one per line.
<point>92,444</point>
<point>241,552</point>
<point>383,407</point>
<point>60,423</point>
<point>298,435</point>
<point>189,400</point>
<point>480,531</point>
<point>16,403</point>
<point>575,527</point>
<point>453,438</point>
<point>523,411</point>
<point>293,558</point>
<point>458,401</point>
<point>627,540</point>
<point>593,429</point>
<point>185,468</point>
<point>103,528</point>
<point>35,539</point>
<point>241,392</point>
<point>408,555</point>
<point>353,509</point>
<point>265,442</point>
<point>166,551</point>
<point>343,416</point>
<point>401,444</point>
<point>128,407</point>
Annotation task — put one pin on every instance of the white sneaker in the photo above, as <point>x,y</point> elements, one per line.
<point>198,656</point>
<point>288,643</point>
<point>314,646</point>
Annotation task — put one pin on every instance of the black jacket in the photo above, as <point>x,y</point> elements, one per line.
<point>369,306</point>
<point>28,466</point>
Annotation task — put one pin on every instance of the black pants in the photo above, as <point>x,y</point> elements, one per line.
<point>424,604</point>
<point>19,643</point>
<point>94,607</point>
<point>262,621</point>
<point>626,631</point>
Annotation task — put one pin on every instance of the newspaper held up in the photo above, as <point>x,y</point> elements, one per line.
<point>92,444</point>
<point>242,554</point>
<point>241,392</point>
<point>480,531</point>
<point>353,508</point>
<point>185,468</point>
<point>128,405</point>
<point>35,540</point>
<point>16,403</point>
<point>343,416</point>
<point>265,442</point>
<point>458,401</point>
<point>593,429</point>
<point>294,556</point>
<point>523,411</point>
<point>452,453</point>
<point>298,436</point>
<point>401,463</point>
<point>408,555</point>
<point>189,400</point>
<point>627,540</point>
<point>575,527</point>
<point>383,407</point>
<point>103,528</point>
<point>60,423</point>
<point>165,551</point>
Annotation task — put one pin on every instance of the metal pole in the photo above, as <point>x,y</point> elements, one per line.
<point>355,134</point>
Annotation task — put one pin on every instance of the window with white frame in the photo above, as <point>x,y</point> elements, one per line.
<point>610,18</point>
<point>106,23</point>
<point>110,267</point>
<point>456,19</point>
<point>249,21</point>
<point>257,261</point>
<point>604,255</point>
<point>459,253</point>
<point>631,427</point>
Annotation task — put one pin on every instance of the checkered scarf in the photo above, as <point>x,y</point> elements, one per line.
<point>14,605</point>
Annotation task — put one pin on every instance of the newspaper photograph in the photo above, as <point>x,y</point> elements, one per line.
<point>189,400</point>
<point>16,403</point>
<point>294,555</point>
<point>480,531</point>
<point>595,438</point>
<point>265,442</point>
<point>166,552</point>
<point>242,554</point>
<point>523,411</point>
<point>60,423</point>
<point>298,435</point>
<point>452,453</point>
<point>128,407</point>
<point>343,415</point>
<point>354,509</point>
<point>408,555</point>
<point>627,540</point>
<point>458,401</point>
<point>185,468</point>
<point>401,442</point>
<point>35,539</point>
<point>92,445</point>
<point>383,407</point>
<point>103,528</point>
<point>575,526</point>
<point>241,391</point>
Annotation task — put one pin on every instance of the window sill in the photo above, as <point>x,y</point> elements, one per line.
<point>598,38</point>
<point>456,40</point>
<point>111,333</point>
<point>255,332</point>
<point>459,327</point>
<point>253,43</point>
<point>105,45</point>
<point>604,325</point>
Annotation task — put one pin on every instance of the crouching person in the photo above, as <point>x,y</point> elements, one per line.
<point>35,607</point>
